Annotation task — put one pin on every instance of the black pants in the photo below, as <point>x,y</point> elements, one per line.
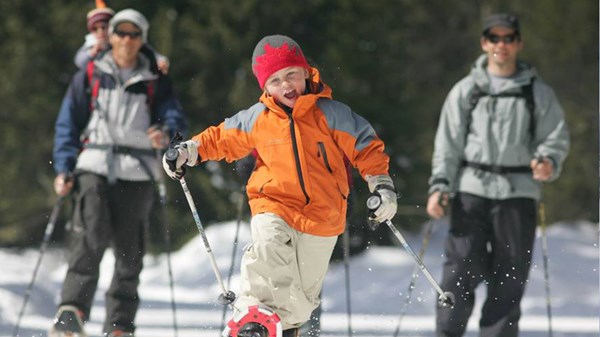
<point>115,215</point>
<point>489,241</point>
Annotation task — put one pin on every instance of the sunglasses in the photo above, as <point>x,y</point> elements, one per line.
<point>507,39</point>
<point>132,35</point>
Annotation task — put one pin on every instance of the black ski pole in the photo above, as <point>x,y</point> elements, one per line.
<point>162,193</point>
<point>240,213</point>
<point>542,213</point>
<point>346,242</point>
<point>445,299</point>
<point>45,241</point>
<point>413,279</point>
<point>226,297</point>
<point>545,259</point>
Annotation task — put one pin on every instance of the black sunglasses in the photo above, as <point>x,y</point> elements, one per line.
<point>507,39</point>
<point>132,35</point>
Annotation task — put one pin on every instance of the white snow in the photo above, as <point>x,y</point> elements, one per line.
<point>379,280</point>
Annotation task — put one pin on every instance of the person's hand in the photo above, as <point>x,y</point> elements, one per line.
<point>63,184</point>
<point>163,66</point>
<point>187,154</point>
<point>387,210</point>
<point>97,48</point>
<point>158,138</point>
<point>383,186</point>
<point>542,168</point>
<point>436,203</point>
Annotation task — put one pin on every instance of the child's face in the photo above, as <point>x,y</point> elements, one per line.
<point>287,85</point>
<point>100,31</point>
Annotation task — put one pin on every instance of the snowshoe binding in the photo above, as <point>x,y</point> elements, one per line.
<point>255,321</point>
<point>68,322</point>
<point>253,329</point>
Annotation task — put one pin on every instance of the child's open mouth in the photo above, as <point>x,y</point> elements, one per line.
<point>290,95</point>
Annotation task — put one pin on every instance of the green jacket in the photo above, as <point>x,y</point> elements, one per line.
<point>496,132</point>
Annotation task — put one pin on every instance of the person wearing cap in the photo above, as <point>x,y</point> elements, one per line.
<point>298,189</point>
<point>107,134</point>
<point>96,41</point>
<point>501,134</point>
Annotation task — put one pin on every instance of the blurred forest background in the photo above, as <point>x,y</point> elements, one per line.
<point>392,61</point>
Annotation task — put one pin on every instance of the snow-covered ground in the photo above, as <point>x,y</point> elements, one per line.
<point>379,279</point>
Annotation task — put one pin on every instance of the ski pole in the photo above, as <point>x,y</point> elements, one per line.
<point>226,297</point>
<point>162,192</point>
<point>446,299</point>
<point>346,242</point>
<point>240,211</point>
<point>542,213</point>
<point>44,246</point>
<point>413,279</point>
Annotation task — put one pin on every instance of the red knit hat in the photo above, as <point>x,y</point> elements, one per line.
<point>99,14</point>
<point>273,53</point>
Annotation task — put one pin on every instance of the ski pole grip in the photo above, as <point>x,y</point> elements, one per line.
<point>172,153</point>
<point>171,158</point>
<point>373,203</point>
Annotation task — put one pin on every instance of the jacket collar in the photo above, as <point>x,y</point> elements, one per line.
<point>141,73</point>
<point>524,75</point>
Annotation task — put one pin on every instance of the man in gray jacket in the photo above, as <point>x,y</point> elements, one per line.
<point>501,134</point>
<point>118,111</point>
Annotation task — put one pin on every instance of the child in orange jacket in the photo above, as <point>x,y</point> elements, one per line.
<point>298,189</point>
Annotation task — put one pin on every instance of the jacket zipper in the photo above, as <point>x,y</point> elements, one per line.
<point>297,158</point>
<point>324,154</point>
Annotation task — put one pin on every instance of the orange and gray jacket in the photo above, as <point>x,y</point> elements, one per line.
<point>301,174</point>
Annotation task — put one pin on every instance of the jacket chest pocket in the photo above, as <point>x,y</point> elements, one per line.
<point>338,173</point>
<point>322,152</point>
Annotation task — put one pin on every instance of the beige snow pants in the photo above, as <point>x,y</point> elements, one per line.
<point>283,269</point>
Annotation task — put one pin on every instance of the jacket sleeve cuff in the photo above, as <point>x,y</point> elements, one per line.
<point>438,184</point>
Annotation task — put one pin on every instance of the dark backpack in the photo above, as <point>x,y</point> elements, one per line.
<point>526,93</point>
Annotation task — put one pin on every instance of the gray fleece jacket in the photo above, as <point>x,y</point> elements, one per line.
<point>496,132</point>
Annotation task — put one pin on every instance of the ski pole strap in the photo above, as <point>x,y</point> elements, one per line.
<point>498,169</point>
<point>120,149</point>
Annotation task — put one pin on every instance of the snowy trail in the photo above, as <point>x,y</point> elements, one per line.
<point>379,278</point>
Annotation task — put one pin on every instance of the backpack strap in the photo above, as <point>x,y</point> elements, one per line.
<point>94,87</point>
<point>150,94</point>
<point>526,93</point>
<point>498,169</point>
<point>474,95</point>
<point>94,84</point>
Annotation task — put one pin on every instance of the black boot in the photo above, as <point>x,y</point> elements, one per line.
<point>253,329</point>
<point>68,322</point>
<point>290,332</point>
